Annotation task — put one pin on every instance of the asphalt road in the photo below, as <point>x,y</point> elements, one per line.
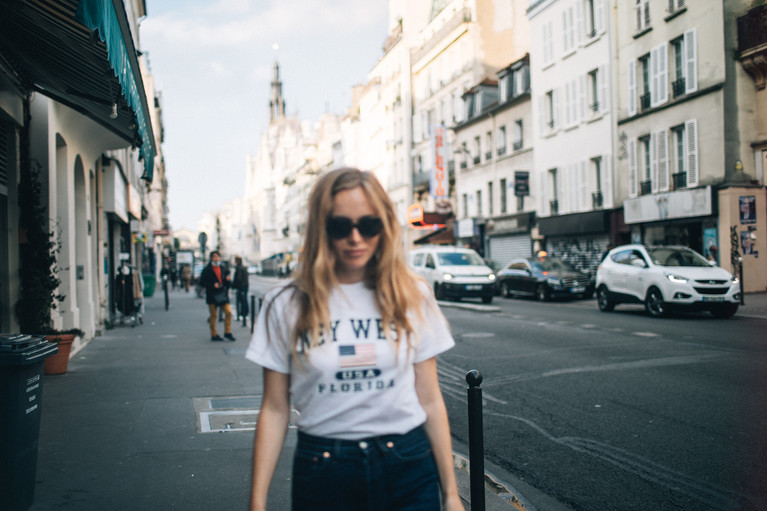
<point>617,411</point>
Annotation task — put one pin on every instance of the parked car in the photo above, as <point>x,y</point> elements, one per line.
<point>665,278</point>
<point>544,278</point>
<point>454,272</point>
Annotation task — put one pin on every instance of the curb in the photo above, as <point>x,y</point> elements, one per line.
<point>504,492</point>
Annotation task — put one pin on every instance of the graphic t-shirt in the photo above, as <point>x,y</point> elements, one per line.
<point>352,385</point>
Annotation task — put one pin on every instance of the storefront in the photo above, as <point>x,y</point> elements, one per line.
<point>509,237</point>
<point>579,238</point>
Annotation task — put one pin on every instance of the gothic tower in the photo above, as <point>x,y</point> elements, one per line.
<point>276,101</point>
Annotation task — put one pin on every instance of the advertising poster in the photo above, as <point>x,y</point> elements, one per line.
<point>747,209</point>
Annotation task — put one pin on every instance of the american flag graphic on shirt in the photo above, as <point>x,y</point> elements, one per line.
<point>357,355</point>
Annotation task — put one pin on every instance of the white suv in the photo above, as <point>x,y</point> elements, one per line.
<point>454,272</point>
<point>665,278</point>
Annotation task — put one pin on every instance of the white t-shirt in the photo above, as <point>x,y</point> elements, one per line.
<point>351,386</point>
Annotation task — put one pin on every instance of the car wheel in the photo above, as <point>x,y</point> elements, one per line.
<point>439,293</point>
<point>726,311</point>
<point>654,304</point>
<point>504,289</point>
<point>542,293</point>
<point>603,299</point>
<point>487,299</point>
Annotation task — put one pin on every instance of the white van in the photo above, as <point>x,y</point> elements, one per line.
<point>454,272</point>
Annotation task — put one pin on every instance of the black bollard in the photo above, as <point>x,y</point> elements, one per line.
<point>476,441</point>
<point>253,312</point>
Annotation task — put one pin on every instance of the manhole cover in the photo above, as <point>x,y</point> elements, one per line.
<point>224,414</point>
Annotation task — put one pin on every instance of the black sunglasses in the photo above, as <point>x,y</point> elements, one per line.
<point>339,227</point>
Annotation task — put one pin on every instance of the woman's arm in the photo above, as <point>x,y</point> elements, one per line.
<point>438,430</point>
<point>270,435</point>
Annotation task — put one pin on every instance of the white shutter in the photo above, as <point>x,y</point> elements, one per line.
<point>568,104</point>
<point>633,167</point>
<point>599,16</point>
<point>607,181</point>
<point>662,73</point>
<point>663,173</point>
<point>632,87</point>
<point>541,102</point>
<point>691,61</point>
<point>602,72</point>
<point>583,106</point>
<point>555,108</point>
<point>565,31</point>
<point>654,60</point>
<point>572,185</point>
<point>417,128</point>
<point>583,182</point>
<point>691,152</point>
<point>579,30</point>
<point>654,161</point>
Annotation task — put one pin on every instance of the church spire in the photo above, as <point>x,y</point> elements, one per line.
<point>276,101</point>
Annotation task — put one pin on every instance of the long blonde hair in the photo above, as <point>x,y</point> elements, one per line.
<point>396,287</point>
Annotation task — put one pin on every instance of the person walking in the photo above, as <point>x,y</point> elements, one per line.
<point>240,285</point>
<point>186,276</point>
<point>352,341</point>
<point>216,281</point>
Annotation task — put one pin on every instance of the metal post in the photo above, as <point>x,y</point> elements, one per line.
<point>476,441</point>
<point>740,277</point>
<point>253,312</point>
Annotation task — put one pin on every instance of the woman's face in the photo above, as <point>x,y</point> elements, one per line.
<point>354,250</point>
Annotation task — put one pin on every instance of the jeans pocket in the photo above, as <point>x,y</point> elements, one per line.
<point>411,447</point>
<point>308,465</point>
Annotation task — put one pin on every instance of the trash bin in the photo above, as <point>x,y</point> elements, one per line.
<point>149,283</point>
<point>22,358</point>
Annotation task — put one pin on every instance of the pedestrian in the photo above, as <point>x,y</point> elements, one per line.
<point>186,276</point>
<point>351,339</point>
<point>216,281</point>
<point>240,285</point>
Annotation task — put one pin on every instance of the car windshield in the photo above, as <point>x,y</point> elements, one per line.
<point>665,256</point>
<point>460,259</point>
<point>552,264</point>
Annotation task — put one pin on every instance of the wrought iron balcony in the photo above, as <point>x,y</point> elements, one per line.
<point>501,150</point>
<point>752,29</point>
<point>645,100</point>
<point>476,160</point>
<point>517,145</point>
<point>645,187</point>
<point>597,199</point>
<point>488,155</point>
<point>554,206</point>
<point>678,86</point>
<point>680,180</point>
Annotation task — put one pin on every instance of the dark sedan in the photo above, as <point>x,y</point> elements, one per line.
<point>544,278</point>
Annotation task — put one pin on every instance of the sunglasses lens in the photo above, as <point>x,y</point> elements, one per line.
<point>369,226</point>
<point>339,227</point>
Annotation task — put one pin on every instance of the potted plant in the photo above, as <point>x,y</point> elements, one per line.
<point>39,281</point>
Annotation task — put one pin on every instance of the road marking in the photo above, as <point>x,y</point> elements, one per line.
<point>646,334</point>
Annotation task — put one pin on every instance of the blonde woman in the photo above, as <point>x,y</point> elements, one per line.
<point>352,341</point>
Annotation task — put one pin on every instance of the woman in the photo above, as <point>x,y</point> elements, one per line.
<point>352,339</point>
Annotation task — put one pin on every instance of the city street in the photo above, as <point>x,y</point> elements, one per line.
<point>617,410</point>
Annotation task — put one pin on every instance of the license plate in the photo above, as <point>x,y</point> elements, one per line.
<point>473,287</point>
<point>580,289</point>
<point>713,298</point>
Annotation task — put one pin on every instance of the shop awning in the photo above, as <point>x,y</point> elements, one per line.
<point>81,54</point>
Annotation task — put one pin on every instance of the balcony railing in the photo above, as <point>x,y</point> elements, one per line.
<point>591,33</point>
<point>752,29</point>
<point>501,151</point>
<point>678,87</point>
<point>554,206</point>
<point>680,180</point>
<point>645,187</point>
<point>489,155</point>
<point>517,145</point>
<point>597,199</point>
<point>476,160</point>
<point>645,100</point>
<point>595,106</point>
<point>464,164</point>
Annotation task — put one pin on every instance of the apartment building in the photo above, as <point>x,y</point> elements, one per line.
<point>685,127</point>
<point>570,57</point>
<point>494,158</point>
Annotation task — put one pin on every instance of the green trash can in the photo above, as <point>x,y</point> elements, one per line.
<point>22,361</point>
<point>149,283</point>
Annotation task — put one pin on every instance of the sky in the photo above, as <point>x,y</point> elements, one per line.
<point>212,62</point>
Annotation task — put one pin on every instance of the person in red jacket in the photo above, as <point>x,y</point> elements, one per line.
<point>216,281</point>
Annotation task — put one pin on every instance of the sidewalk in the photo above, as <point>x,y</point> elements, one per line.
<point>158,417</point>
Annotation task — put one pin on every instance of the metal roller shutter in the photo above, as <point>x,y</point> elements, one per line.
<point>503,249</point>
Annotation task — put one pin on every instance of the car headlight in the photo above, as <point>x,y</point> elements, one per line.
<point>491,276</point>
<point>735,280</point>
<point>554,282</point>
<point>447,276</point>
<point>676,279</point>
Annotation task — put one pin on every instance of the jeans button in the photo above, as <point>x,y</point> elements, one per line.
<point>363,445</point>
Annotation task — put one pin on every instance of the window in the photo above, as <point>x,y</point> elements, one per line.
<point>685,79</point>
<point>679,174</point>
<point>518,142</point>
<point>642,14</point>
<point>465,205</point>
<point>597,200</point>
<point>675,5</point>
<point>593,91</point>
<point>490,198</point>
<point>501,141</point>
<point>678,85</point>
<point>644,97</point>
<point>477,150</point>
<point>465,156</point>
<point>568,26</point>
<point>548,43</point>
<point>549,110</point>
<point>503,195</point>
<point>489,145</point>
<point>504,88</point>
<point>684,154</point>
<point>571,103</point>
<point>520,80</point>
<point>479,202</point>
<point>554,186</point>
<point>594,14</point>
<point>645,184</point>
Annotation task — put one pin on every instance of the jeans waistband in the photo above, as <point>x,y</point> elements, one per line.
<point>339,446</point>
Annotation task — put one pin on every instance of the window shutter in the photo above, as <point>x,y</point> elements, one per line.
<point>572,187</point>
<point>602,75</point>
<point>663,173</point>
<point>583,107</point>
<point>691,136</point>
<point>565,30</point>
<point>632,87</point>
<point>654,161</point>
<point>541,101</point>
<point>555,107</point>
<point>607,181</point>
<point>599,16</point>
<point>579,30</point>
<point>583,182</point>
<point>663,73</point>
<point>691,61</point>
<point>633,167</point>
<point>654,74</point>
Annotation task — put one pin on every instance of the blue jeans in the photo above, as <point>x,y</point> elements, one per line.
<point>383,473</point>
